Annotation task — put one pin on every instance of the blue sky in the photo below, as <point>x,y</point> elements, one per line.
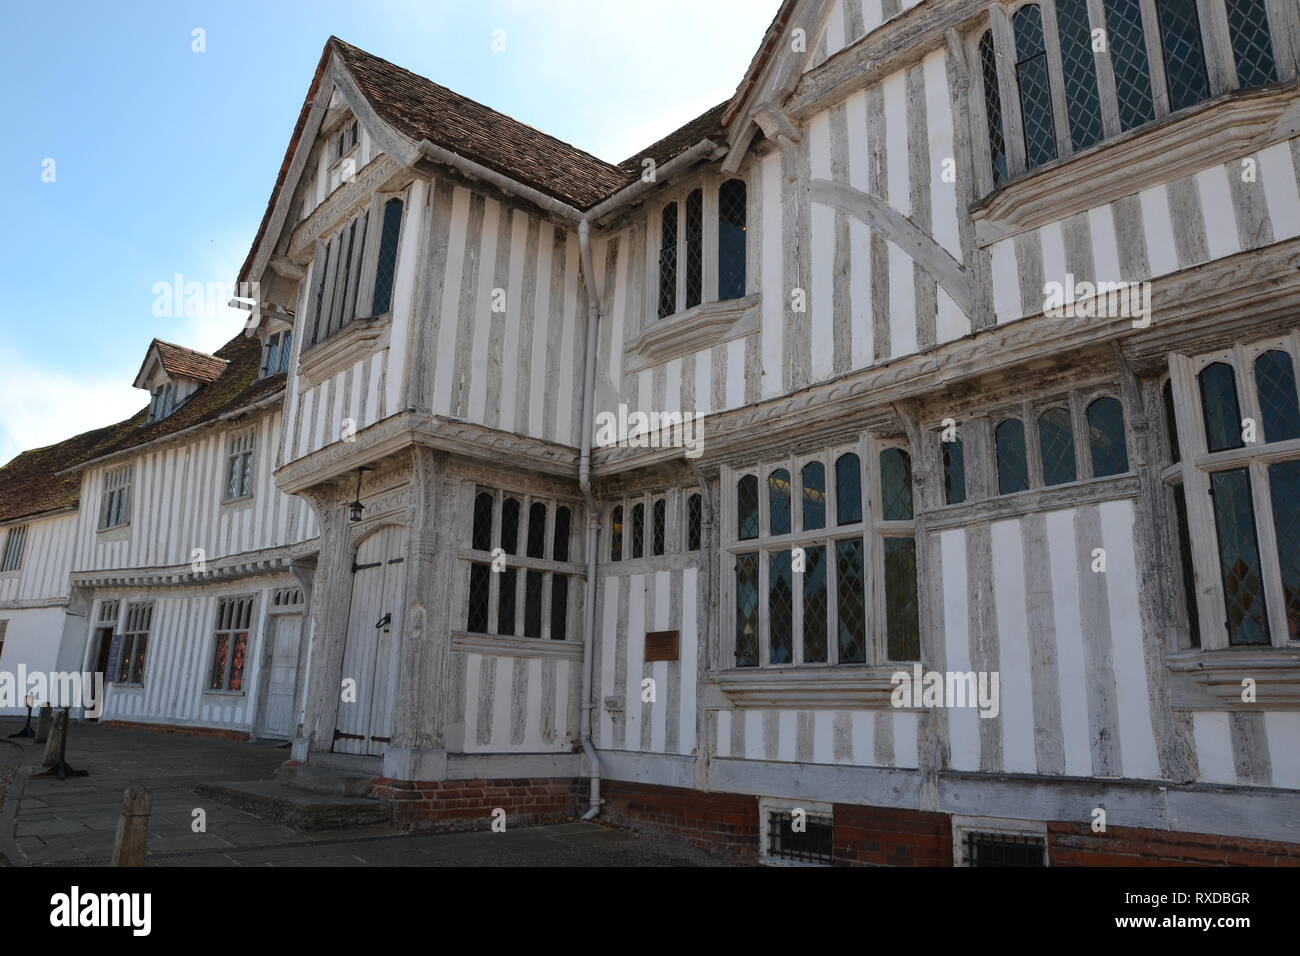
<point>163,157</point>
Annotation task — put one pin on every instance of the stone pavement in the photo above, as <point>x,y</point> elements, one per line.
<point>73,822</point>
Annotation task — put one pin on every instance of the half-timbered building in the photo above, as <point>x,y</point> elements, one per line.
<point>911,440</point>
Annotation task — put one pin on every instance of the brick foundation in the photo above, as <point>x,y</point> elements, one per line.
<point>722,823</point>
<point>888,836</point>
<point>1074,844</point>
<point>220,733</point>
<point>468,804</point>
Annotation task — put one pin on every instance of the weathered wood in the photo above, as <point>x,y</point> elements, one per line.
<point>130,845</point>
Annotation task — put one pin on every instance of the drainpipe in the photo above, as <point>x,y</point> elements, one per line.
<point>593,519</point>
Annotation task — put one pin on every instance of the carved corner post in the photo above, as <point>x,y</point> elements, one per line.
<point>709,601</point>
<point>418,750</point>
<point>329,600</point>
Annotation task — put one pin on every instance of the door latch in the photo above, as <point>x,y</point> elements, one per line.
<point>385,620</point>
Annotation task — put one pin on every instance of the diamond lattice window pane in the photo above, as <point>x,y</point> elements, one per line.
<point>901,609</point>
<point>506,601</point>
<point>848,489</point>
<point>1284,485</point>
<point>850,602</point>
<point>1243,588</point>
<point>993,108</point>
<point>747,610</point>
<point>1035,88</point>
<point>536,530</point>
<point>694,247</point>
<point>954,472</point>
<point>778,501</point>
<point>533,604</point>
<point>1056,446</point>
<point>1106,437</point>
<point>1252,46</point>
<point>780,609</point>
<point>1278,403</point>
<point>1219,403</point>
<point>694,522</point>
<point>1128,55</point>
<point>814,605</point>
<point>1013,465</point>
<point>658,529</point>
<point>668,261</point>
<point>1180,35</point>
<point>480,575</point>
<point>896,485</point>
<point>1171,424</point>
<point>747,508</point>
<point>563,518</point>
<point>813,479</point>
<point>1079,67</point>
<point>510,526</point>
<point>731,239</point>
<point>638,530</point>
<point>559,607</point>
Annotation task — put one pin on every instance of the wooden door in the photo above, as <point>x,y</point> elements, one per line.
<point>284,676</point>
<point>365,719</point>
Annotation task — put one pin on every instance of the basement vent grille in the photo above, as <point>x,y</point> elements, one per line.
<point>1004,849</point>
<point>812,845</point>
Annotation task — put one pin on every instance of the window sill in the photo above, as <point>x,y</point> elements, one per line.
<point>352,343</point>
<point>117,532</point>
<point>493,645</point>
<point>224,693</point>
<point>697,328</point>
<point>811,687</point>
<point>1210,133</point>
<point>1211,680</point>
<point>237,504</point>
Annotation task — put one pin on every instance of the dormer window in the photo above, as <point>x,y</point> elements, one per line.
<point>702,236</point>
<point>346,139</point>
<point>275,353</point>
<point>164,402</point>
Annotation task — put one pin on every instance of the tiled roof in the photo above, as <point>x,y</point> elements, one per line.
<point>421,109</point>
<point>178,361</point>
<point>30,484</point>
<point>707,125</point>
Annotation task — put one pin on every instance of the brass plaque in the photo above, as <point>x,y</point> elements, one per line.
<point>662,645</point>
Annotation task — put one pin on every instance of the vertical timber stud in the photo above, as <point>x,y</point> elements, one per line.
<point>329,617</point>
<point>418,750</point>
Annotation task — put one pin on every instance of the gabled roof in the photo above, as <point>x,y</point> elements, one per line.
<point>31,484</point>
<point>179,362</point>
<point>708,125</point>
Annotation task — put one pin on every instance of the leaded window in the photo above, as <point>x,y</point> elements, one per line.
<point>694,523</point>
<point>1276,388</point>
<point>800,586</point>
<point>509,593</point>
<point>230,644</point>
<point>616,534</point>
<point>1078,65</point>
<point>954,471</point>
<point>1128,56</point>
<point>1056,446</point>
<point>1284,489</point>
<point>658,526</point>
<point>386,264</point>
<point>668,260</point>
<point>1106,437</point>
<point>1184,53</point>
<point>1012,460</point>
<point>239,465</point>
<point>1252,46</point>
<point>1033,81</point>
<point>731,239</point>
<point>694,247</point>
<point>1243,586</point>
<point>115,504</point>
<point>135,643</point>
<point>275,353</point>
<point>638,530</point>
<point>1219,404</point>
<point>15,539</point>
<point>993,108</point>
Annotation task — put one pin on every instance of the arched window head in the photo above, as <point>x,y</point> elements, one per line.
<point>747,508</point>
<point>778,501</point>
<point>694,523</point>
<point>638,530</point>
<point>848,489</point>
<point>813,479</point>
<point>896,485</point>
<point>1220,407</point>
<point>510,526</point>
<point>658,526</point>
<point>1013,465</point>
<point>1106,437</point>
<point>1056,446</point>
<point>954,472</point>
<point>537,530</point>
<point>616,534</point>
<point>563,520</point>
<point>482,540</point>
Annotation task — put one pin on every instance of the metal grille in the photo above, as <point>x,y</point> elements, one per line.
<point>1284,485</point>
<point>638,530</point>
<point>1106,437</point>
<point>813,845</point>
<point>1180,34</point>
<point>480,577</point>
<point>1035,88</point>
<point>848,489</point>
<point>813,480</point>
<point>993,108</point>
<point>1078,62</point>
<point>536,530</point>
<point>1220,407</point>
<point>731,239</point>
<point>1013,468</point>
<point>954,472</point>
<point>1004,849</point>
<point>747,508</point>
<point>780,609</point>
<point>896,484</point>
<point>1252,47</point>
<point>814,605</point>
<point>482,536</point>
<point>747,610</point>
<point>658,529</point>
<point>1243,588</point>
<point>1128,56</point>
<point>694,522</point>
<point>778,502</point>
<point>1056,445</point>
<point>850,602</point>
<point>668,261</point>
<point>1278,403</point>
<point>901,611</point>
<point>694,247</point>
<point>387,267</point>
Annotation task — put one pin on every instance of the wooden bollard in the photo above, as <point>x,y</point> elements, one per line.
<point>43,723</point>
<point>54,742</point>
<point>133,827</point>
